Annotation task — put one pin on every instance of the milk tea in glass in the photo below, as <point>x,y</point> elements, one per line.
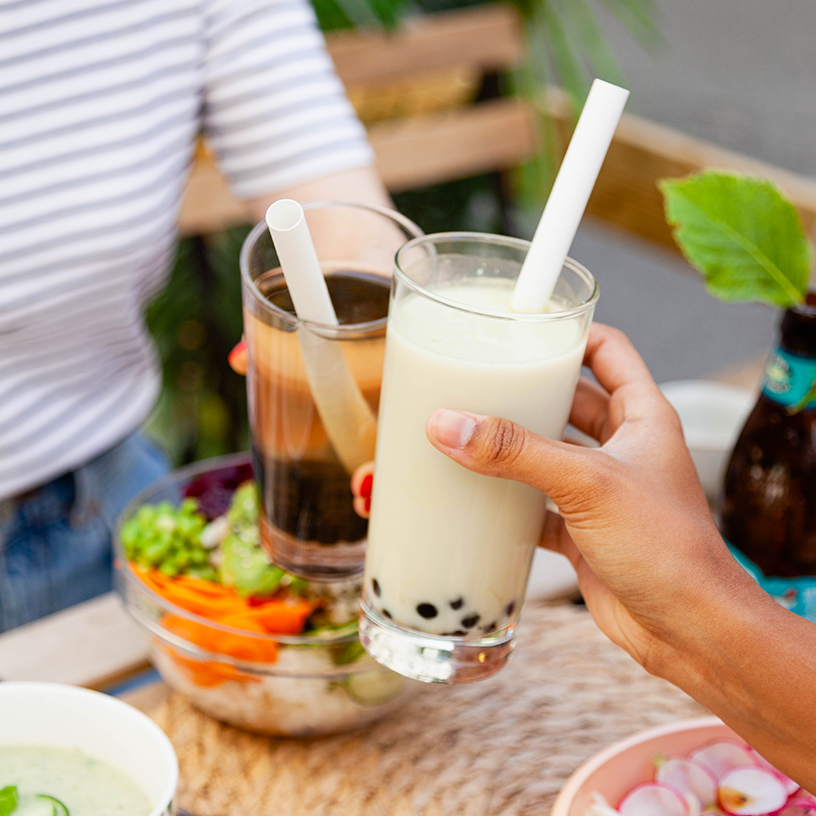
<point>307,520</point>
<point>450,551</point>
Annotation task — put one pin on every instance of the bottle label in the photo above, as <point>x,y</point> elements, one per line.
<point>796,594</point>
<point>790,380</point>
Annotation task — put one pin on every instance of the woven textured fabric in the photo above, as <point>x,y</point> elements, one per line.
<point>502,747</point>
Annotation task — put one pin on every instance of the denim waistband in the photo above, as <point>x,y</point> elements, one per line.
<point>55,540</point>
<point>42,505</point>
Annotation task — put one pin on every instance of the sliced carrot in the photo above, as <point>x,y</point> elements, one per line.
<point>241,619</point>
<point>223,605</point>
<point>203,586</point>
<point>149,577</point>
<point>283,617</point>
<point>207,674</point>
<point>204,605</point>
<point>256,650</point>
<point>189,596</point>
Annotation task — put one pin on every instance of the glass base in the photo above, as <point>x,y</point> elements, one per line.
<point>310,559</point>
<point>434,658</point>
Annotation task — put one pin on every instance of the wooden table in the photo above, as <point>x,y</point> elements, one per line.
<point>502,747</point>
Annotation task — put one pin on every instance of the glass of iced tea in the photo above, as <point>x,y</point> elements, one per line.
<point>308,524</point>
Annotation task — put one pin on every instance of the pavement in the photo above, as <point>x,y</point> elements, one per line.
<point>739,73</point>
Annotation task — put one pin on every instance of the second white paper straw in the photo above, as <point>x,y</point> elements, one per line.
<point>568,199</point>
<point>348,419</point>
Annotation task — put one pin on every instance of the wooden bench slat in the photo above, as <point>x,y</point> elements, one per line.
<point>627,197</point>
<point>496,135</point>
<point>411,152</point>
<point>456,144</point>
<point>486,38</point>
<point>93,644</point>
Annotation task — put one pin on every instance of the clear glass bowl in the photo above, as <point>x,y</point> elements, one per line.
<point>310,684</point>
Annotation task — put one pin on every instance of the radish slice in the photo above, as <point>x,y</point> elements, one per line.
<point>760,760</point>
<point>653,800</point>
<point>688,777</point>
<point>695,806</point>
<point>798,807</point>
<point>751,791</point>
<point>721,757</point>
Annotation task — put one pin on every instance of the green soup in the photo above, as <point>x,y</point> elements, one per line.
<point>84,785</point>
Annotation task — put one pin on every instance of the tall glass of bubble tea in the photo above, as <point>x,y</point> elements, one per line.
<point>307,521</point>
<point>450,551</point>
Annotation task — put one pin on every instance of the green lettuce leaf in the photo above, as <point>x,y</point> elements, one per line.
<point>8,800</point>
<point>742,234</point>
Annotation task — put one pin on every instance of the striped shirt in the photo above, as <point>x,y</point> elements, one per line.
<point>101,102</point>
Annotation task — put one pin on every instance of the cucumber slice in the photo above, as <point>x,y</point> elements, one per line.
<point>41,805</point>
<point>35,806</point>
<point>59,807</point>
<point>374,687</point>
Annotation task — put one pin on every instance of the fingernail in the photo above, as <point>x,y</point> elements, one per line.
<point>368,505</point>
<point>366,485</point>
<point>452,428</point>
<point>240,348</point>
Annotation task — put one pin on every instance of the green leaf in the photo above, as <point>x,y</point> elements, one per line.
<point>742,234</point>
<point>8,800</point>
<point>598,53</point>
<point>556,39</point>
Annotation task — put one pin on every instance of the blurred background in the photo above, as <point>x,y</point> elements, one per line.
<point>737,73</point>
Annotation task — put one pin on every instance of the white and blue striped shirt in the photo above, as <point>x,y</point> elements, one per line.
<point>101,102</point>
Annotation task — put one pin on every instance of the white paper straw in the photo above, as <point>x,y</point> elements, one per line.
<point>568,199</point>
<point>348,419</point>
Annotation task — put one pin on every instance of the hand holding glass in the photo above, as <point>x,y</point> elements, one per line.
<point>449,551</point>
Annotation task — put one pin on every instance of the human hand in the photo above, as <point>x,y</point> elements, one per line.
<point>238,358</point>
<point>634,520</point>
<point>362,481</point>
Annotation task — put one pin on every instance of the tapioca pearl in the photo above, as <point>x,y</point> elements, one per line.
<point>388,614</point>
<point>457,633</point>
<point>426,610</point>
<point>491,626</point>
<point>470,621</point>
<point>509,609</point>
<point>375,585</point>
<point>457,604</point>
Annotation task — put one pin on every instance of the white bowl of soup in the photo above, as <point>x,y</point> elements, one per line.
<point>70,750</point>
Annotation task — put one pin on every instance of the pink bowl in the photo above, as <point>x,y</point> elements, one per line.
<point>614,771</point>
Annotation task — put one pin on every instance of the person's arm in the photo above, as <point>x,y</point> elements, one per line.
<point>653,569</point>
<point>345,233</point>
<point>275,111</point>
<point>361,184</point>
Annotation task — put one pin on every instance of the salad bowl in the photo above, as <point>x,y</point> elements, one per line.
<point>242,641</point>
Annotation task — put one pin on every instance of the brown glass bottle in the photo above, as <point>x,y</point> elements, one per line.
<point>769,499</point>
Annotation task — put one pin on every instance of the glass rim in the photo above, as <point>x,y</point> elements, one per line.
<point>505,241</point>
<point>346,329</point>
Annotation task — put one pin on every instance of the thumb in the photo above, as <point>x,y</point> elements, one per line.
<point>498,447</point>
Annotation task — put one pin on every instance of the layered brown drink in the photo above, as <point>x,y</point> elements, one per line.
<point>308,523</point>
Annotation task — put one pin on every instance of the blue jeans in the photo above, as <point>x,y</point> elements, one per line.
<point>55,541</point>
